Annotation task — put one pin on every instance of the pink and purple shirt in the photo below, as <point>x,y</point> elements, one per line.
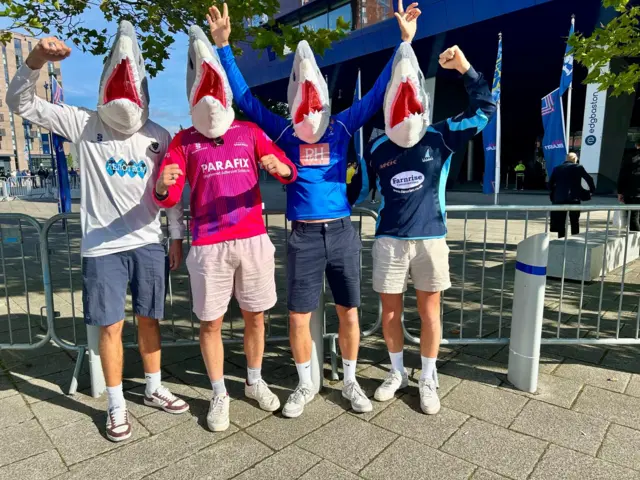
<point>223,174</point>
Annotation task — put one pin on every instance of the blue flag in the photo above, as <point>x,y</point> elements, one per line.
<point>567,68</point>
<point>359,145</point>
<point>64,191</point>
<point>490,133</point>
<point>553,142</point>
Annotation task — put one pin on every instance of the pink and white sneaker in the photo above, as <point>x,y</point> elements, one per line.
<point>118,424</point>
<point>162,398</point>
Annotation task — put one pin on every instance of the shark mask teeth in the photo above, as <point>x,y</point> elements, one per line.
<point>208,90</point>
<point>123,101</point>
<point>406,103</point>
<point>308,96</point>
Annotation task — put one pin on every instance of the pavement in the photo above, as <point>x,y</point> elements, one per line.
<point>583,422</point>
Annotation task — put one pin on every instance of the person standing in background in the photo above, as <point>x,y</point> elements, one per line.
<point>565,187</point>
<point>520,169</point>
<point>629,186</point>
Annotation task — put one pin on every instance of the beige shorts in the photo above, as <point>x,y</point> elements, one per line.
<point>243,268</point>
<point>426,261</point>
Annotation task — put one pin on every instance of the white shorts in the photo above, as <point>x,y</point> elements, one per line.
<point>243,268</point>
<point>426,261</point>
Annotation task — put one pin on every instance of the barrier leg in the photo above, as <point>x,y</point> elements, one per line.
<point>73,388</point>
<point>317,345</point>
<point>334,357</point>
<point>98,385</point>
<point>528,307</point>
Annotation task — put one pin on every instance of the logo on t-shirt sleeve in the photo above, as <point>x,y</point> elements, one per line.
<point>315,155</point>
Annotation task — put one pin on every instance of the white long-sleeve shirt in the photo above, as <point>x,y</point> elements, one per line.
<point>117,171</point>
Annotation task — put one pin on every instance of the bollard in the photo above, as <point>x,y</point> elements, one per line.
<point>528,307</point>
<point>317,343</point>
<point>98,385</point>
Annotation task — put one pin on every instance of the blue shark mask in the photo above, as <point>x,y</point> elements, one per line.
<point>123,101</point>
<point>406,102</point>
<point>308,96</point>
<point>208,90</point>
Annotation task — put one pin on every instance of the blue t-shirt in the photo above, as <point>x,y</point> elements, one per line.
<point>412,181</point>
<point>320,191</point>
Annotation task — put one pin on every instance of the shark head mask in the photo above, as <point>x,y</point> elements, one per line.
<point>406,103</point>
<point>208,90</point>
<point>123,101</point>
<point>308,96</point>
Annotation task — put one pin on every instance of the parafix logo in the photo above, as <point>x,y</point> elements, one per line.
<point>555,145</point>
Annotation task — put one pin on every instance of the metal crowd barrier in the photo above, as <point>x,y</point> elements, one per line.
<point>475,310</point>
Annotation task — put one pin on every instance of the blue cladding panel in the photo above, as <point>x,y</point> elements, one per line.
<point>459,13</point>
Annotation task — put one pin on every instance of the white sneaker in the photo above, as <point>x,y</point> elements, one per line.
<point>359,401</point>
<point>162,398</point>
<point>260,392</point>
<point>218,416</point>
<point>429,401</point>
<point>395,381</point>
<point>118,424</point>
<point>294,407</point>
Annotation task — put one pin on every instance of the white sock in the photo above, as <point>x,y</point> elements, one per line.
<point>397,361</point>
<point>218,387</point>
<point>115,397</point>
<point>428,369</point>
<point>304,373</point>
<point>153,382</point>
<point>253,375</point>
<point>349,370</point>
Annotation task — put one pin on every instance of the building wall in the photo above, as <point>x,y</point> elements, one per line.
<point>14,154</point>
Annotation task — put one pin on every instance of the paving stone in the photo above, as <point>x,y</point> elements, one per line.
<point>561,426</point>
<point>135,396</point>
<point>548,362</point>
<point>13,411</point>
<point>49,386</point>
<point>41,366</point>
<point>405,418</point>
<point>445,382</point>
<point>278,432</point>
<point>490,446</point>
<point>140,458</point>
<point>563,464</point>
<point>585,353</point>
<point>333,393</point>
<point>82,440</point>
<point>39,467</point>
<point>486,403</point>
<point>159,421</point>
<point>223,460</point>
<point>365,442</point>
<point>22,441</point>
<point>621,446</point>
<point>467,367</point>
<point>482,474</point>
<point>594,375</point>
<point>623,358</point>
<point>633,388</point>
<point>328,471</point>
<point>551,389</point>
<point>615,407</point>
<point>244,412</point>
<point>288,464</point>
<point>63,410</point>
<point>6,386</point>
<point>415,460</point>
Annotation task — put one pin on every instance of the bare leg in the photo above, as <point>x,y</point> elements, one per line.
<point>212,348</point>
<point>429,309</point>
<point>300,336</point>
<point>253,338</point>
<point>149,343</point>
<point>349,332</point>
<point>391,321</point>
<point>111,353</point>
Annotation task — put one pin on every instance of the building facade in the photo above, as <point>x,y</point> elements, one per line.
<point>23,146</point>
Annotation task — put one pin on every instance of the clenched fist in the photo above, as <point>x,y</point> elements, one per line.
<point>273,166</point>
<point>48,49</point>
<point>168,176</point>
<point>453,59</point>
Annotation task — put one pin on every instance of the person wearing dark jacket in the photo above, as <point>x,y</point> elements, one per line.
<point>629,186</point>
<point>565,187</point>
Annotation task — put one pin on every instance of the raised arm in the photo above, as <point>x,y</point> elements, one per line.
<point>171,177</point>
<point>362,110</point>
<point>457,131</point>
<point>63,120</point>
<point>220,27</point>
<point>273,159</point>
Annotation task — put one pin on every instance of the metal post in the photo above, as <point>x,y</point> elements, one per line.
<point>470,161</point>
<point>98,385</point>
<point>317,345</point>
<point>528,308</point>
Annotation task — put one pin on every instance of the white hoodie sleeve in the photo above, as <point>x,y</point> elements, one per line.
<point>61,119</point>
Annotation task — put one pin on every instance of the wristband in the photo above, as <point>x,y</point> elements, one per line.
<point>160,197</point>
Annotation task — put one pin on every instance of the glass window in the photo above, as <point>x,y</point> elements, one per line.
<point>17,43</point>
<point>316,23</point>
<point>29,46</point>
<point>343,11</point>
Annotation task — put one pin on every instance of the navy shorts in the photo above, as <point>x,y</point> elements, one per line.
<point>105,279</point>
<point>318,248</point>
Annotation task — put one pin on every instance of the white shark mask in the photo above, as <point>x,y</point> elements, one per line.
<point>406,103</point>
<point>208,90</point>
<point>123,101</point>
<point>308,96</point>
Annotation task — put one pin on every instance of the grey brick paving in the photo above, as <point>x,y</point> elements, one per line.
<point>482,474</point>
<point>13,410</point>
<point>288,464</point>
<point>611,406</point>
<point>622,446</point>
<point>39,467</point>
<point>21,441</point>
<point>328,471</point>
<point>594,375</point>
<point>555,390</point>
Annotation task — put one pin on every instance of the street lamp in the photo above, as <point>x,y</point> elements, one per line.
<point>27,137</point>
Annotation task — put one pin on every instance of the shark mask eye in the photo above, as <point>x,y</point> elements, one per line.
<point>190,63</point>
<point>294,76</point>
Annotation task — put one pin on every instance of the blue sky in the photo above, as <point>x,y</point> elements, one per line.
<point>81,74</point>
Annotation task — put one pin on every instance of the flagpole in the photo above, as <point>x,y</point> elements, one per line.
<point>496,188</point>
<point>361,129</point>
<point>570,97</point>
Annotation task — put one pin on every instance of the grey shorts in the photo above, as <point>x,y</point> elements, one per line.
<point>105,279</point>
